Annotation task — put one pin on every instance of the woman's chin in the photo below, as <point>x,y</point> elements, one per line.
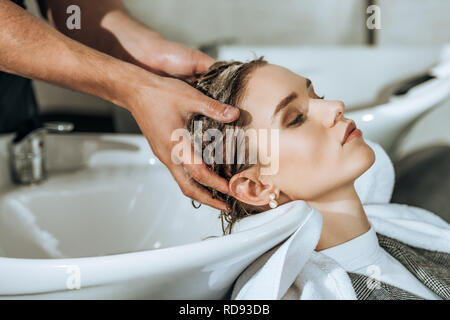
<point>359,159</point>
<point>365,158</point>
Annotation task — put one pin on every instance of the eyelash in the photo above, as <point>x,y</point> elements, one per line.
<point>297,121</point>
<point>300,118</point>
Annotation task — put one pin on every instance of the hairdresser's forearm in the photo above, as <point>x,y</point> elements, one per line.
<point>106,27</point>
<point>31,48</point>
<point>110,29</point>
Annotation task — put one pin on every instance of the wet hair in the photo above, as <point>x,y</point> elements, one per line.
<point>226,82</point>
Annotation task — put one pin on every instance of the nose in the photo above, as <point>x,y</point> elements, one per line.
<point>333,112</point>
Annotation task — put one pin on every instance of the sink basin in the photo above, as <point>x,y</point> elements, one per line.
<point>111,223</point>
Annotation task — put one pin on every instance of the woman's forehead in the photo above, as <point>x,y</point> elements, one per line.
<point>268,85</point>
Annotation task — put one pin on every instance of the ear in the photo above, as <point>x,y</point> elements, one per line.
<point>247,187</point>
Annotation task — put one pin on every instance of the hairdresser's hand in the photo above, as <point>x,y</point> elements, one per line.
<point>138,44</point>
<point>160,106</point>
<point>162,110</point>
<point>169,58</point>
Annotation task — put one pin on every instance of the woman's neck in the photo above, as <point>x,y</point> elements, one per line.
<point>343,217</point>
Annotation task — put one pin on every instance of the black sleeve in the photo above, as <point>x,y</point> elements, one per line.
<point>43,6</point>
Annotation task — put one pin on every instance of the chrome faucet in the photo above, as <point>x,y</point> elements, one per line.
<point>27,154</point>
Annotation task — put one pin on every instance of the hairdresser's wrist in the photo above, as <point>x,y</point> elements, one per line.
<point>136,43</point>
<point>132,37</point>
<point>130,84</point>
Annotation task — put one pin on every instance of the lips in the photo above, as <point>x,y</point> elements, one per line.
<point>350,128</point>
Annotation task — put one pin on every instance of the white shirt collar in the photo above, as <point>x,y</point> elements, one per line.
<point>356,253</point>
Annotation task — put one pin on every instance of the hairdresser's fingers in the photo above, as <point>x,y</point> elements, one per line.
<point>216,110</point>
<point>200,61</point>
<point>194,191</point>
<point>196,168</point>
<point>190,100</point>
<point>201,174</point>
<point>188,79</point>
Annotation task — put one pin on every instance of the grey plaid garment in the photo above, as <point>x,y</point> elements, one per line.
<point>432,268</point>
<point>385,291</point>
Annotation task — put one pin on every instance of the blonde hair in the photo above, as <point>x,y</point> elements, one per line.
<point>226,82</point>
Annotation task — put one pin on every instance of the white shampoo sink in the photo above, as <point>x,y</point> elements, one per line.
<point>111,223</point>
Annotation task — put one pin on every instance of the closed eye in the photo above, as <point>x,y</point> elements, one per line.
<point>298,120</point>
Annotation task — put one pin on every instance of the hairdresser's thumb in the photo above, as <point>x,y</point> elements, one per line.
<point>218,111</point>
<point>201,62</point>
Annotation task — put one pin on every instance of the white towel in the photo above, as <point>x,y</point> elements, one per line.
<point>293,270</point>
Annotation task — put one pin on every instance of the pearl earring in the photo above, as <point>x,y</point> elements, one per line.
<point>273,203</point>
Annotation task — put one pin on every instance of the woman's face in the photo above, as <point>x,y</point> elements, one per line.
<point>313,160</point>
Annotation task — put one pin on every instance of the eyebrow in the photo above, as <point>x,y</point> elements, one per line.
<point>288,99</point>
<point>284,102</point>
